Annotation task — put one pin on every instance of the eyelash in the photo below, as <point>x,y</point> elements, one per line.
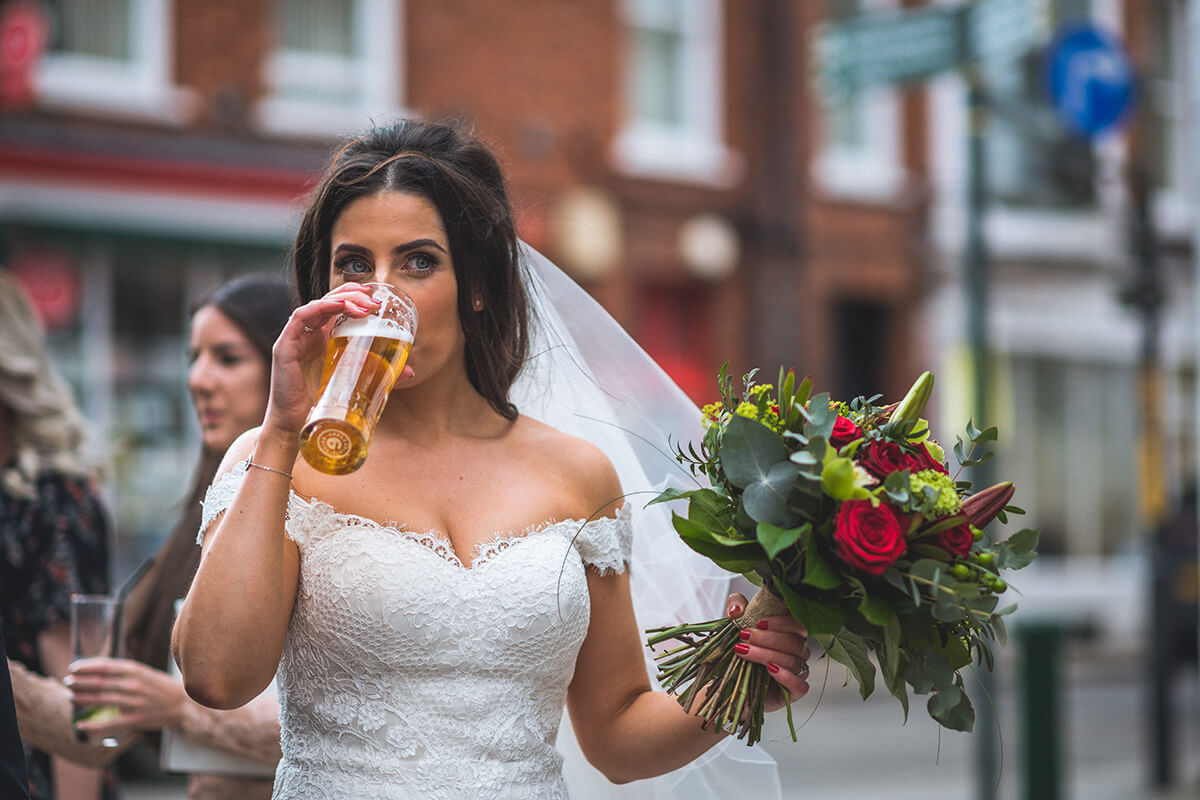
<point>342,265</point>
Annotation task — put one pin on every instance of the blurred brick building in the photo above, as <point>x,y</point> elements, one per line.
<point>666,153</point>
<point>674,155</point>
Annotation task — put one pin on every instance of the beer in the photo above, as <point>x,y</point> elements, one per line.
<point>362,362</point>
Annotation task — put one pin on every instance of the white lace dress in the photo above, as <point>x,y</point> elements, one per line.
<point>407,674</point>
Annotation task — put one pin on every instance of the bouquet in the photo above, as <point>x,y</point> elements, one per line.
<point>846,516</point>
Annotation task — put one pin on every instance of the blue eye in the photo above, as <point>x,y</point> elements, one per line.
<point>421,262</point>
<point>352,265</point>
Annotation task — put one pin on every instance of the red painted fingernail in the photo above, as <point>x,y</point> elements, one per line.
<point>744,635</point>
<point>772,668</point>
<point>735,611</point>
<point>762,624</point>
<point>741,648</point>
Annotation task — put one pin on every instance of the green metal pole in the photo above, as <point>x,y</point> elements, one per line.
<point>1040,645</point>
<point>975,273</point>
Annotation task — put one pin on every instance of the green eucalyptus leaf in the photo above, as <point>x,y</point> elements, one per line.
<point>1023,541</point>
<point>896,486</point>
<point>952,708</point>
<point>765,500</point>
<point>749,450</point>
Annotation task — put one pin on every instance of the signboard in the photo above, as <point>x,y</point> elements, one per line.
<point>888,48</point>
<point>910,45</point>
<point>1090,79</point>
<point>1003,30</point>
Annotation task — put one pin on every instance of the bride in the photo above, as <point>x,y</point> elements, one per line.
<point>429,614</point>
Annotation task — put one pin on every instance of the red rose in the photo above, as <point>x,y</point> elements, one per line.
<point>868,537</point>
<point>925,460</point>
<point>883,458</point>
<point>957,540</point>
<point>844,432</point>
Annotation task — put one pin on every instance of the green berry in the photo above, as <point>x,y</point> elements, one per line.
<point>998,586</point>
<point>986,559</point>
<point>976,534</point>
<point>961,571</point>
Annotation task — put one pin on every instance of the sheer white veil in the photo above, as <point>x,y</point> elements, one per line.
<point>587,377</point>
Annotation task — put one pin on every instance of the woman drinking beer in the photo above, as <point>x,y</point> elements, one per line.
<point>430,612</point>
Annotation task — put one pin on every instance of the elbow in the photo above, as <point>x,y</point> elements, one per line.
<point>213,694</point>
<point>619,771</point>
<point>214,688</point>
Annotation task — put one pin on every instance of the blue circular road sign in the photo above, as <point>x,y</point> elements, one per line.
<point>1090,79</point>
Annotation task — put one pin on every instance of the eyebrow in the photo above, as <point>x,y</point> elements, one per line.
<point>400,248</point>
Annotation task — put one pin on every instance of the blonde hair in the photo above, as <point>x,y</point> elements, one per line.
<point>49,429</point>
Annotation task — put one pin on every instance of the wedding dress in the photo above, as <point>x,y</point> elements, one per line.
<point>407,673</point>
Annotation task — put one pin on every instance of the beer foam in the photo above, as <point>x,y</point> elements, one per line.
<point>373,326</point>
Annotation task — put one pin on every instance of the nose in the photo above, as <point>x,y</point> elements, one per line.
<point>201,377</point>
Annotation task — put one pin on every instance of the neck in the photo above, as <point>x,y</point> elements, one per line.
<point>445,405</point>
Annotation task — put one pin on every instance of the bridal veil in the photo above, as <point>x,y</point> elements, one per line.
<point>587,377</point>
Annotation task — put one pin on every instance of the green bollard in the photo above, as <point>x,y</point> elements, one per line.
<point>1041,643</point>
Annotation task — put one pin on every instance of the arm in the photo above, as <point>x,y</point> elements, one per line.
<point>228,643</point>
<point>625,729</point>
<point>150,699</point>
<point>630,732</point>
<point>227,640</point>
<point>44,716</point>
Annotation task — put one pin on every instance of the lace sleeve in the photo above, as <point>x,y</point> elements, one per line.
<point>606,543</point>
<point>219,497</point>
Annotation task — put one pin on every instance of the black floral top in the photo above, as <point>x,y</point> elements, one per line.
<point>51,545</point>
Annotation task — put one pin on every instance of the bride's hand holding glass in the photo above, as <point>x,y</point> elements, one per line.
<point>299,352</point>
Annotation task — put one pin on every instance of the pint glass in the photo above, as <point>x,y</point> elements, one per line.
<point>95,621</point>
<point>363,360</point>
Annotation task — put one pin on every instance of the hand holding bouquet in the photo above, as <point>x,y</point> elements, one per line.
<point>847,517</point>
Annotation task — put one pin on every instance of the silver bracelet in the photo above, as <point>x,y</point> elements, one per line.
<point>250,463</point>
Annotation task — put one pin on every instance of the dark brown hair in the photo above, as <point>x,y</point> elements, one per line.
<point>259,304</point>
<point>461,178</point>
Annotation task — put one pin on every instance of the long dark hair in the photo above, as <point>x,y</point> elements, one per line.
<point>461,177</point>
<point>259,304</point>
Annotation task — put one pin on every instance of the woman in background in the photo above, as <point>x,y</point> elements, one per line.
<point>54,530</point>
<point>232,331</point>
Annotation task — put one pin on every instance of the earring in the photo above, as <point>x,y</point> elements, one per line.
<point>478,304</point>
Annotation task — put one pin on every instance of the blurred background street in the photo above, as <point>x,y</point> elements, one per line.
<point>1005,192</point>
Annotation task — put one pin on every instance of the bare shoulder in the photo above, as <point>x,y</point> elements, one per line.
<point>239,451</point>
<point>584,468</point>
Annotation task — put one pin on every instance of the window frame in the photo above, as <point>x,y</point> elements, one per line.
<point>874,171</point>
<point>141,86</point>
<point>377,66</point>
<point>694,150</point>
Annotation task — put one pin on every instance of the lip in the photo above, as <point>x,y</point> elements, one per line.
<point>208,418</point>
